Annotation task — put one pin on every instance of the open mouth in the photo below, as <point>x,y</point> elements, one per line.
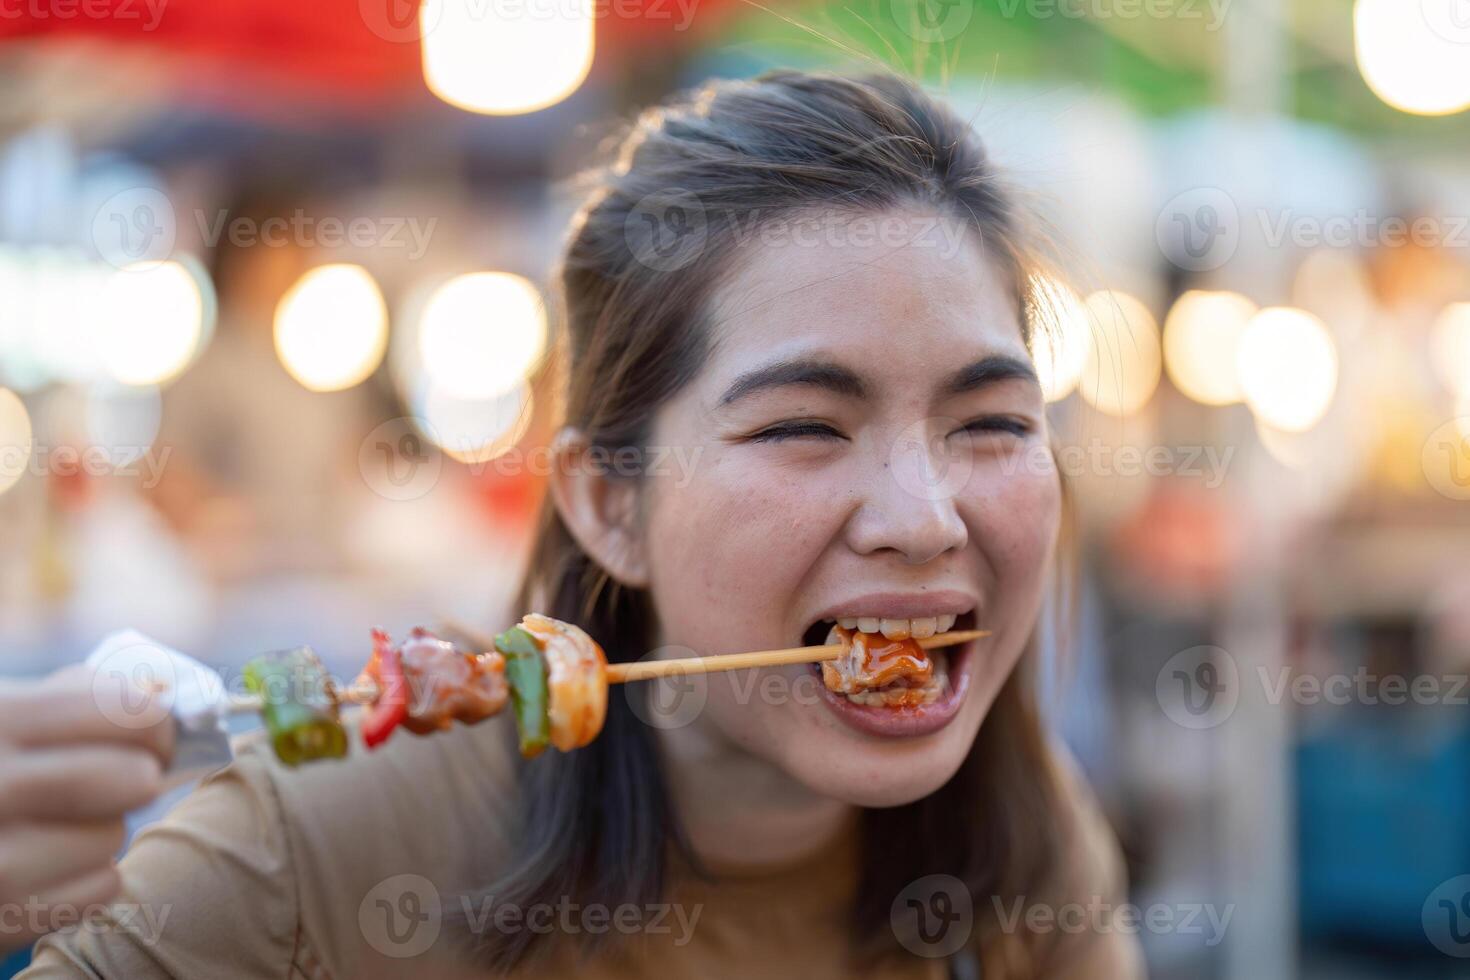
<point>885,684</point>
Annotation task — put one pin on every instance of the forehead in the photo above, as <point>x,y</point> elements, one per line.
<point>917,290</point>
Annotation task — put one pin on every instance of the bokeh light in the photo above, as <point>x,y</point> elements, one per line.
<point>1124,361</point>
<point>475,430</point>
<point>1450,348</point>
<point>123,420</point>
<point>15,439</point>
<point>1406,61</point>
<point>503,59</point>
<point>1061,339</point>
<point>1201,337</point>
<point>331,327</point>
<point>1287,365</point>
<point>481,334</point>
<point>154,321</point>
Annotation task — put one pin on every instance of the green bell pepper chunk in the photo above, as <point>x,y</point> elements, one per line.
<point>299,710</point>
<point>525,671</point>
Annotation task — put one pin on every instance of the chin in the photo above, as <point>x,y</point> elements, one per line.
<point>869,772</point>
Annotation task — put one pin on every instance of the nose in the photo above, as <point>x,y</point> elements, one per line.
<point>909,506</point>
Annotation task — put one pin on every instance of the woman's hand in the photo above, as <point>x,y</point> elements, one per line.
<point>77,751</point>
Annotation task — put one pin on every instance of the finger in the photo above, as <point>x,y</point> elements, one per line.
<point>79,704</point>
<point>61,906</point>
<point>37,857</point>
<point>90,782</point>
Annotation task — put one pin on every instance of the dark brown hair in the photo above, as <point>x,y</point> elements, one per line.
<point>597,823</point>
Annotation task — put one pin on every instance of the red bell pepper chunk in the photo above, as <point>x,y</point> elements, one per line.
<point>391,707</point>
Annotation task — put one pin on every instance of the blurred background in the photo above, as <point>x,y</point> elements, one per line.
<point>274,368</point>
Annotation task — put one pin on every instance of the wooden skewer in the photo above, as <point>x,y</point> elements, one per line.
<point>642,670</point>
<point>639,670</point>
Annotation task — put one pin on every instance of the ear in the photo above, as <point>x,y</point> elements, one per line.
<point>599,507</point>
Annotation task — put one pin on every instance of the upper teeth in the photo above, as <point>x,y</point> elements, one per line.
<point>899,629</point>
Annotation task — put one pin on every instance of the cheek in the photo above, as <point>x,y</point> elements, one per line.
<point>1016,517</point>
<point>727,549</point>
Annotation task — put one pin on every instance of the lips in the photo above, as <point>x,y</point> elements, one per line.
<point>923,696</point>
<point>908,720</point>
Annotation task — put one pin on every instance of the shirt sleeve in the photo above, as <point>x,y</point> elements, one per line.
<point>339,870</point>
<point>210,884</point>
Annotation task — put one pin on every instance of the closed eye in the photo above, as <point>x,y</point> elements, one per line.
<point>795,430</point>
<point>1007,424</point>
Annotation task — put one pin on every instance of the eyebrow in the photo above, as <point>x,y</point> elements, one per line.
<point>804,371</point>
<point>988,371</point>
<point>842,381</point>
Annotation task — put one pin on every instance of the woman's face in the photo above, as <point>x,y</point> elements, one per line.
<point>867,439</point>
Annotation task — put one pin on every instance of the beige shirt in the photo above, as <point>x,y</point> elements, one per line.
<point>348,870</point>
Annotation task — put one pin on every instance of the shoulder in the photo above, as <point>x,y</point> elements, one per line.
<point>409,824</point>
